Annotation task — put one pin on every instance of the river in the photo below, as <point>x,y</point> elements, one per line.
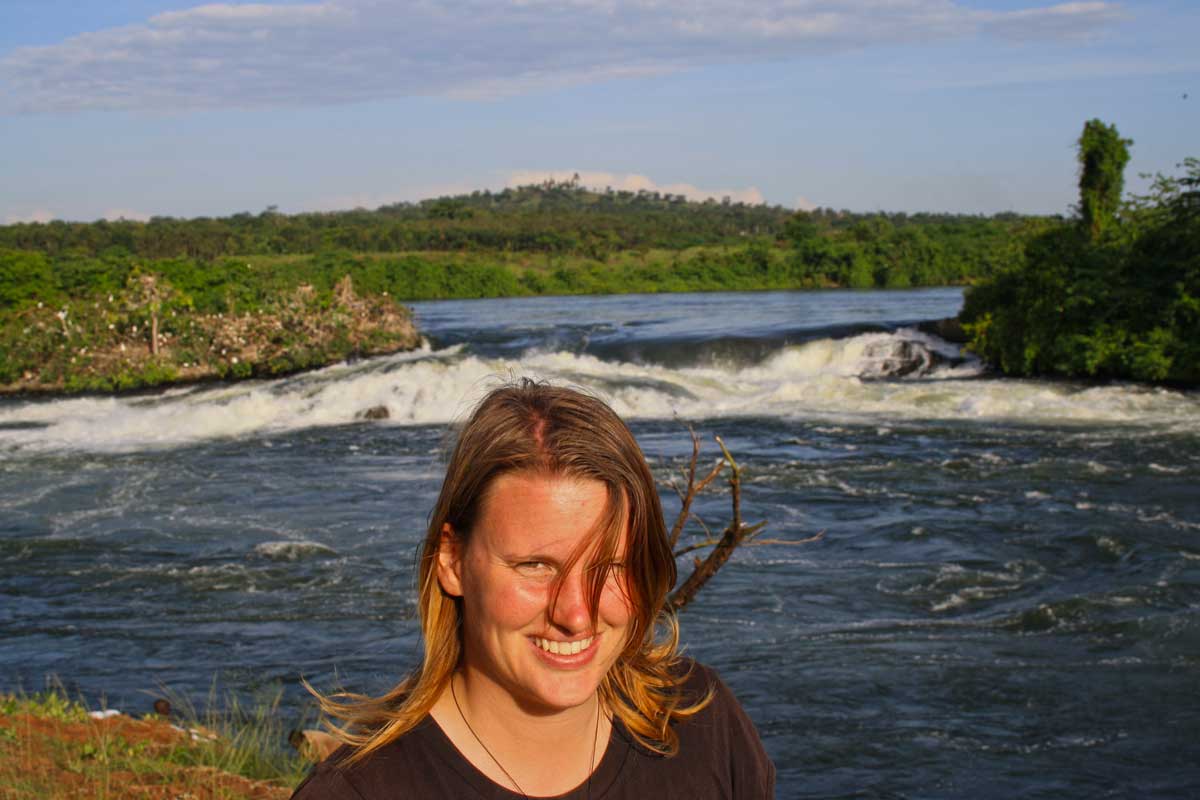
<point>1004,601</point>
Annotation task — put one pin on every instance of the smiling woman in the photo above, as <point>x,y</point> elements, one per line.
<point>551,665</point>
<point>530,635</point>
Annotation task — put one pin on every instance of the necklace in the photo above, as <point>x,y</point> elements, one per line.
<point>496,761</point>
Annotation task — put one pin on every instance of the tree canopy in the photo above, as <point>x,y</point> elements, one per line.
<point>1112,294</point>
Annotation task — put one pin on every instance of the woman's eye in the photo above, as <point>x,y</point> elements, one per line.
<point>614,569</point>
<point>533,567</point>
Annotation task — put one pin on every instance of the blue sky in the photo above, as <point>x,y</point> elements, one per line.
<point>157,107</point>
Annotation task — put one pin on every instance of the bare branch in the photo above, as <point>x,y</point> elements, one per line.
<point>814,538</point>
<point>707,530</point>
<point>751,531</point>
<point>735,485</point>
<point>735,534</point>
<point>697,546</point>
<point>716,470</point>
<point>686,499</point>
<point>731,537</point>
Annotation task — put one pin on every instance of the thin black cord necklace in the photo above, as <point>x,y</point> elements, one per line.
<point>496,761</point>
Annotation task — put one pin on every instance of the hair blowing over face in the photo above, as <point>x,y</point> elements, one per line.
<point>533,427</point>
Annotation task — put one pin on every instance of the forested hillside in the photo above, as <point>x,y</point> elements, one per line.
<point>545,218</point>
<point>552,238</point>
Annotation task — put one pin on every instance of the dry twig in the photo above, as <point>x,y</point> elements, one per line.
<point>693,488</point>
<point>735,534</point>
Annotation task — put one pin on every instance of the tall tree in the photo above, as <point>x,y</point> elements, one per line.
<point>146,296</point>
<point>1103,155</point>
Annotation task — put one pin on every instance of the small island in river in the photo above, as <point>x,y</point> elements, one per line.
<point>149,334</point>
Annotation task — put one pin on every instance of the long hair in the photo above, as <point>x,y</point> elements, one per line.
<point>534,427</point>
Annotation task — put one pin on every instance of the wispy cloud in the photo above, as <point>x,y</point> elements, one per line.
<point>1062,21</point>
<point>632,182</point>
<point>337,51</point>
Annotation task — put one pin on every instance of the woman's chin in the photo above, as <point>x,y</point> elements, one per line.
<point>562,692</point>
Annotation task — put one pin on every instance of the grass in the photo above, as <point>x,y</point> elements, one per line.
<point>51,748</point>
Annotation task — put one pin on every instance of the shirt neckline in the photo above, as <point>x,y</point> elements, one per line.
<point>602,778</point>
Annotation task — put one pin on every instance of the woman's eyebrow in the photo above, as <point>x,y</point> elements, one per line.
<point>530,555</point>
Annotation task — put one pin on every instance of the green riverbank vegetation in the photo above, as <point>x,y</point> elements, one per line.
<point>50,747</point>
<point>143,330</point>
<point>121,305</point>
<point>1113,293</point>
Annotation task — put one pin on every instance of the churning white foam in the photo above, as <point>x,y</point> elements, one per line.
<point>828,380</point>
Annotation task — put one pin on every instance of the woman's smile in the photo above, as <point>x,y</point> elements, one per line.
<point>564,648</point>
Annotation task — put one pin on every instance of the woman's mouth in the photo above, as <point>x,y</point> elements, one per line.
<point>556,647</point>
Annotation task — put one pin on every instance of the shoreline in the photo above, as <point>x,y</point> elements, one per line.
<point>10,393</point>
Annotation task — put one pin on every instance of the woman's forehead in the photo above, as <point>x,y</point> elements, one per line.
<point>547,512</point>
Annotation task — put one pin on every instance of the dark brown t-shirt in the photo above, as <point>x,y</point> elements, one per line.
<point>720,756</point>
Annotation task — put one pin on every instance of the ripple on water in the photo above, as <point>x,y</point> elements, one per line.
<point>289,550</point>
<point>950,587</point>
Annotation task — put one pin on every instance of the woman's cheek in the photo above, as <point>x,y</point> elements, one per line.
<point>524,598</point>
<point>616,600</point>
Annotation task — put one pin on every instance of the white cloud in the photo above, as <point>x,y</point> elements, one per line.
<point>336,51</point>
<point>632,182</point>
<point>802,203</point>
<point>37,215</point>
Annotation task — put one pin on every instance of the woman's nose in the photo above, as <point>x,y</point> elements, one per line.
<point>569,610</point>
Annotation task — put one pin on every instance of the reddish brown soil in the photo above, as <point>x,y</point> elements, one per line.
<point>46,758</point>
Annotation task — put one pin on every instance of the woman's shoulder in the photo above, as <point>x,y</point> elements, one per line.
<point>415,753</point>
<point>728,728</point>
<point>717,742</point>
<point>327,780</point>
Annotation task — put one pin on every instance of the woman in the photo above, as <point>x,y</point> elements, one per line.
<point>551,666</point>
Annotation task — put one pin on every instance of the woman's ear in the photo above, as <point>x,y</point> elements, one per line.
<point>450,554</point>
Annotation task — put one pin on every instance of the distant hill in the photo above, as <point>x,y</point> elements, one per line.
<point>552,217</point>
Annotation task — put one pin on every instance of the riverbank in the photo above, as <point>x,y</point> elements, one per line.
<point>53,747</point>
<point>146,337</point>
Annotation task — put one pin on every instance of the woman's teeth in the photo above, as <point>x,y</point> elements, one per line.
<point>563,648</point>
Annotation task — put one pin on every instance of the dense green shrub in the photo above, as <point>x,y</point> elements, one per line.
<point>1110,295</point>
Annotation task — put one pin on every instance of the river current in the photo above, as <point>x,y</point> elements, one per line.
<point>1004,599</point>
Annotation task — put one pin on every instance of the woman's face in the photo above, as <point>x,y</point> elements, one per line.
<point>529,526</point>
